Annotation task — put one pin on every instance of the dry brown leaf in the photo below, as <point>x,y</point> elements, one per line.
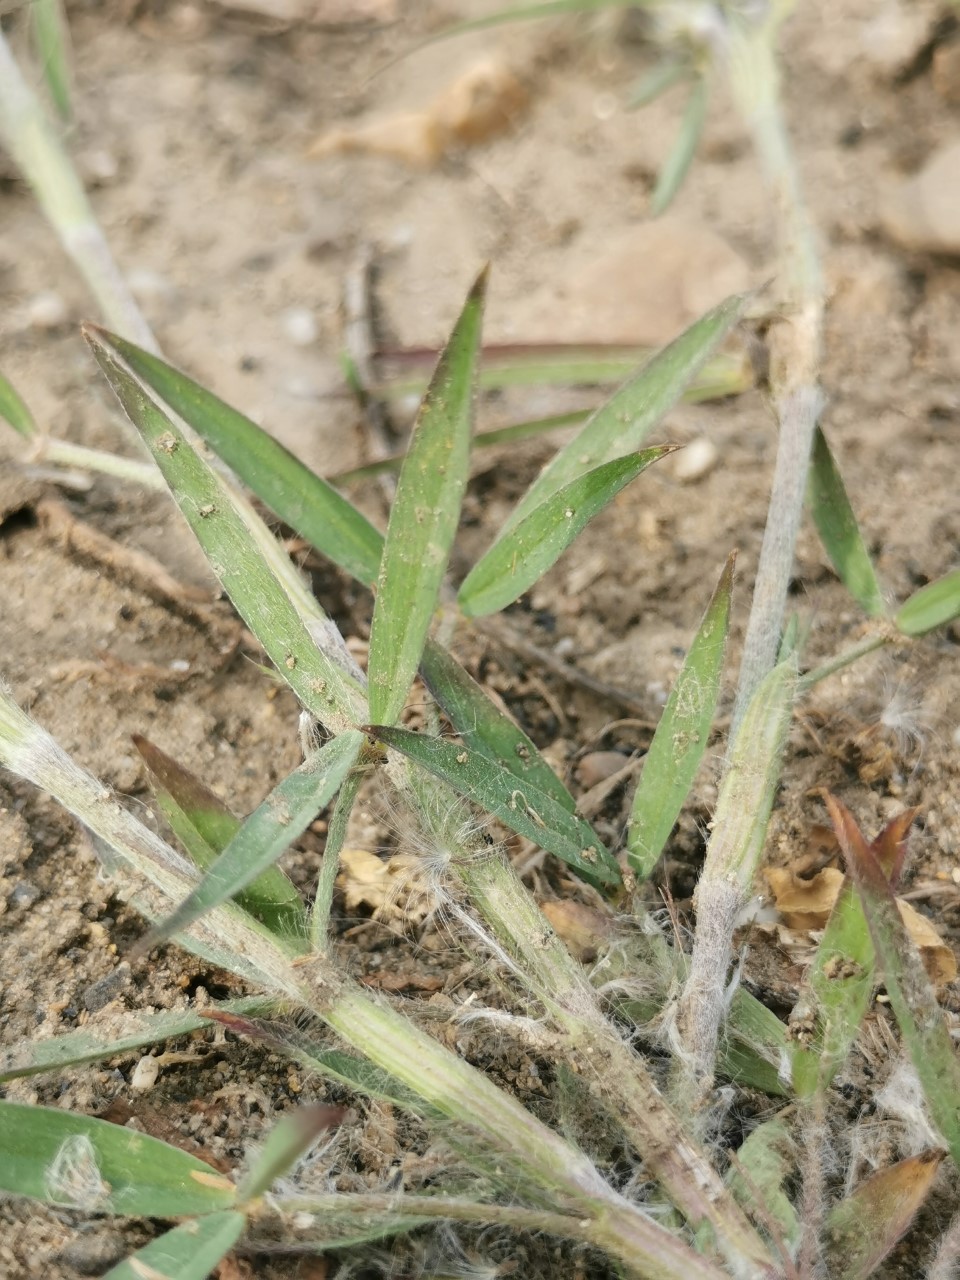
<point>584,929</point>
<point>479,105</point>
<point>392,887</point>
<point>806,903</point>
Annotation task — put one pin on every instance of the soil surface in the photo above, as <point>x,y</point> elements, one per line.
<point>192,129</point>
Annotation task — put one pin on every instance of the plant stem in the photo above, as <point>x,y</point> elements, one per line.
<point>64,454</point>
<point>611,1069</point>
<point>32,140</point>
<point>336,835</point>
<point>796,346</point>
<point>869,644</point>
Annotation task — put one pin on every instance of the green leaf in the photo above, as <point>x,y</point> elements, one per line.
<point>424,517</point>
<point>296,643</point>
<point>932,606</point>
<point>515,562</point>
<point>13,409</point>
<point>485,727</point>
<point>77,1162</point>
<point>657,81</point>
<point>555,364</point>
<point>914,1001</point>
<point>291,490</point>
<point>527,12</point>
<point>526,809</point>
<point>765,1161</point>
<point>52,36</point>
<point>681,738</point>
<point>836,992</point>
<point>865,1227</point>
<point>91,1044</point>
<point>269,831</point>
<point>290,1138</point>
<point>839,531</point>
<point>205,826</point>
<point>678,162</point>
<point>753,1046</point>
<point>620,426</point>
<point>188,1252</point>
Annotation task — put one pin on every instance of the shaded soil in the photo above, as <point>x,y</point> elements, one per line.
<point>192,127</point>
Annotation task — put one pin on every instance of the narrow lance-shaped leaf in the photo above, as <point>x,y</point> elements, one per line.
<point>485,727</point>
<point>188,1252</point>
<point>424,517</point>
<point>528,12</point>
<point>864,1228</point>
<point>623,422</point>
<point>839,531</point>
<point>678,162</point>
<point>30,1057</point>
<point>205,826</point>
<point>269,831</point>
<point>81,1163</point>
<point>53,47</point>
<point>515,562</point>
<point>680,741</point>
<point>323,685</point>
<point>932,606</point>
<point>555,364</point>
<point>290,1138</point>
<point>13,409</point>
<point>522,807</point>
<point>840,981</point>
<point>919,1016</point>
<point>764,1163</point>
<point>299,497</point>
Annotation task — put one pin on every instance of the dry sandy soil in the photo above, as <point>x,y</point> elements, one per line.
<point>193,124</point>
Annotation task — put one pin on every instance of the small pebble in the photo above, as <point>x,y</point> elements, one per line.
<point>46,311</point>
<point>100,993</point>
<point>300,326</point>
<point>695,461</point>
<point>597,766</point>
<point>923,212</point>
<point>93,1254</point>
<point>24,894</point>
<point>145,1074</point>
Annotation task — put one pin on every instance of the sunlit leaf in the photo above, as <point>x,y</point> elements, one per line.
<point>839,531</point>
<point>681,737</point>
<point>424,517</point>
<point>520,558</point>
<point>522,807</point>
<point>78,1162</point>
